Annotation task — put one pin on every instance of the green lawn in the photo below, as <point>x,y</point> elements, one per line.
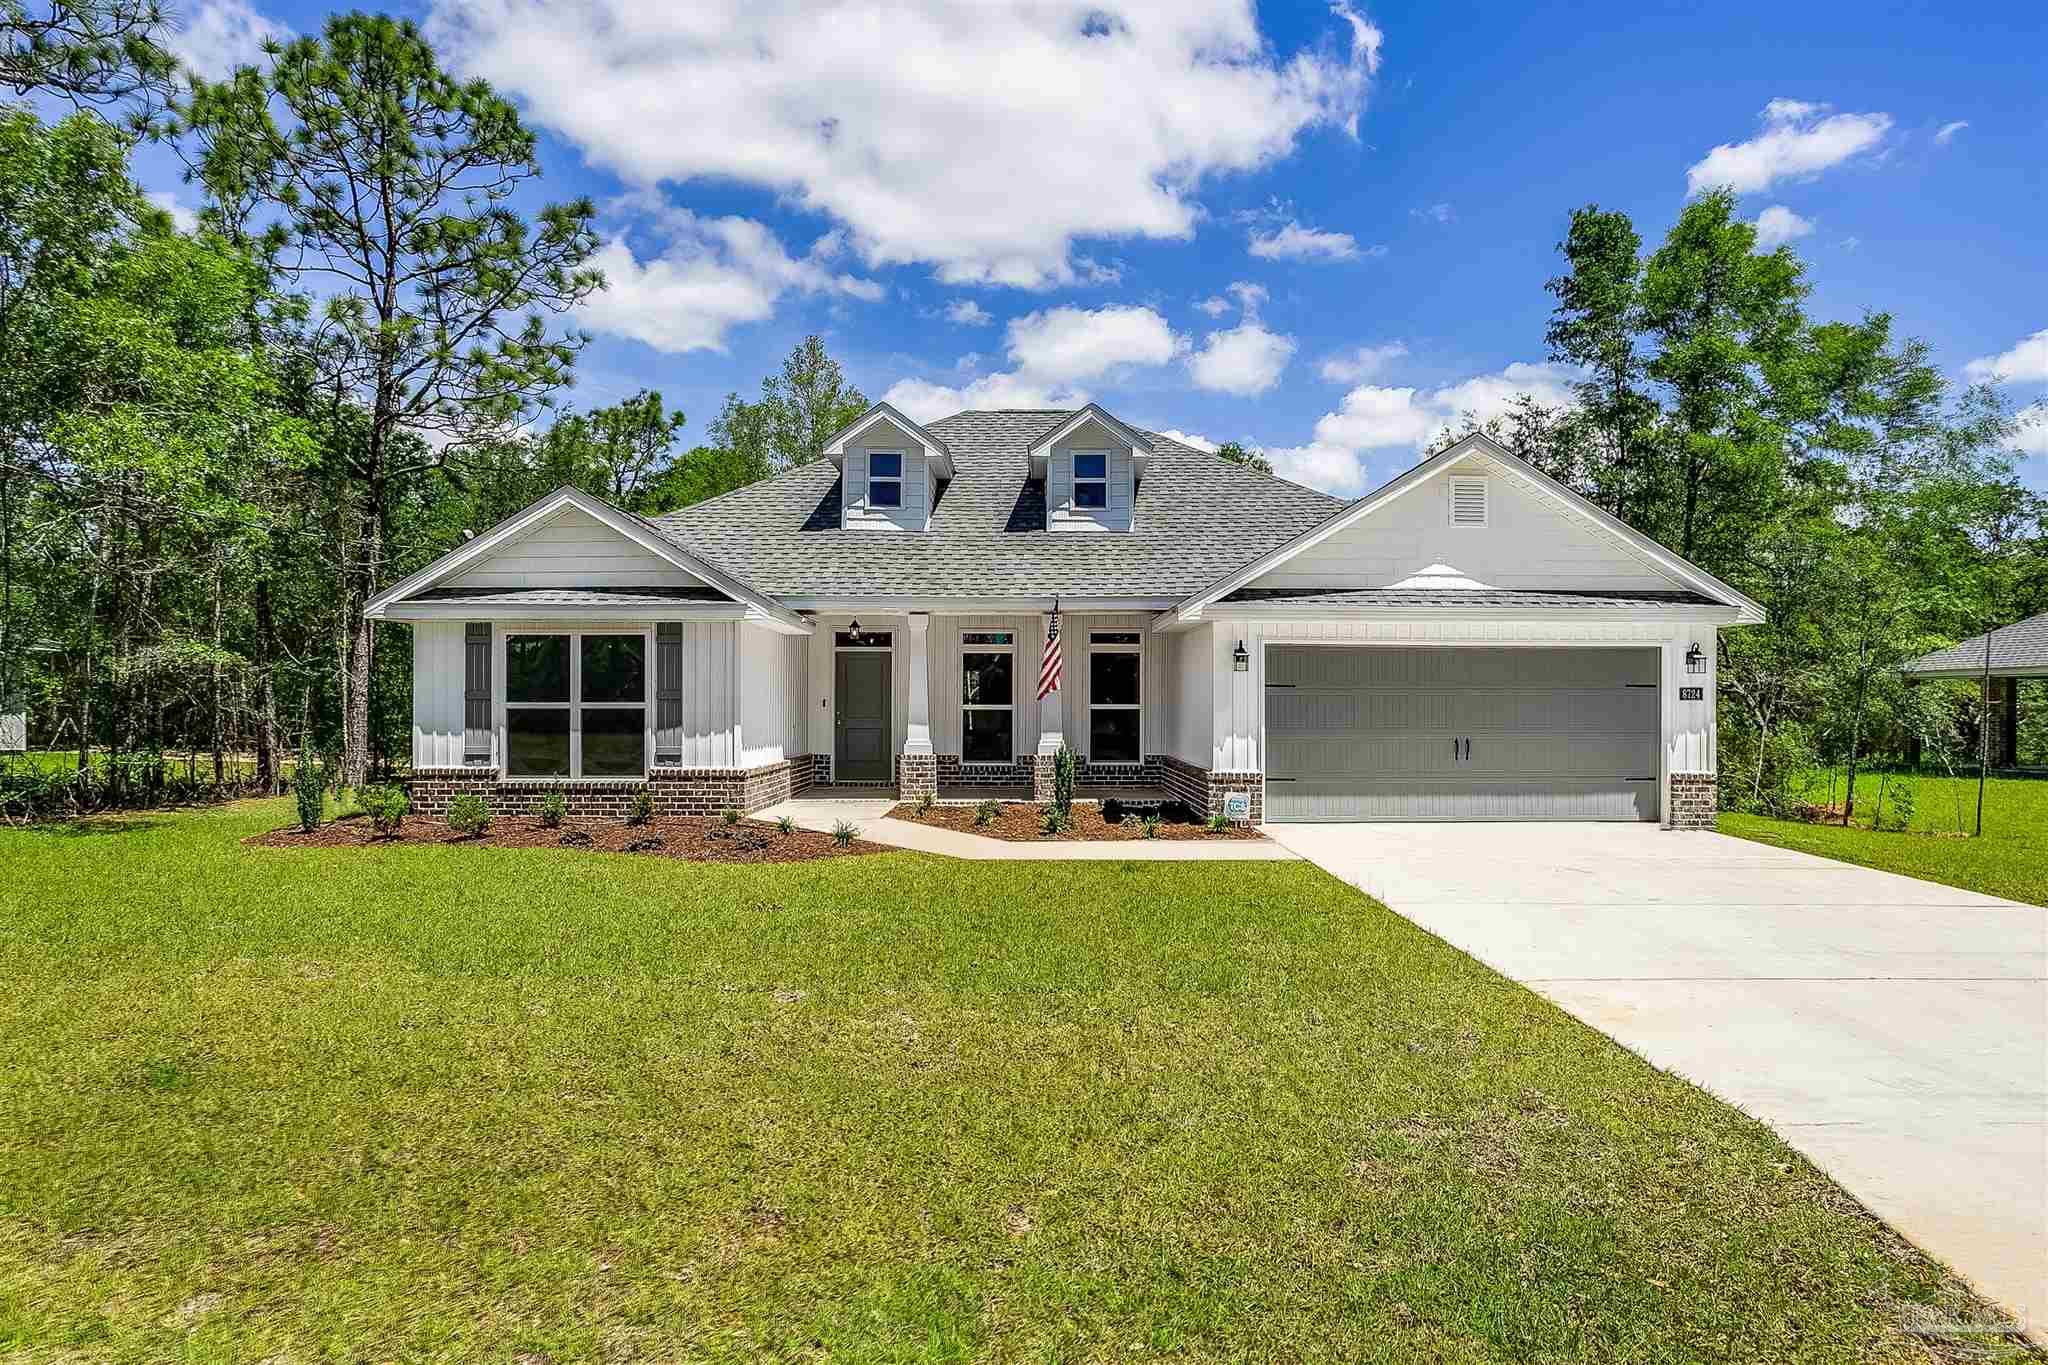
<point>457,1103</point>
<point>2011,859</point>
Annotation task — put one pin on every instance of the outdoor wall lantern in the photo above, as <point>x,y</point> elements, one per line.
<point>1695,659</point>
<point>853,631</point>
<point>1240,659</point>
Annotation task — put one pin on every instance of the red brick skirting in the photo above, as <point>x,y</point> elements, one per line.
<point>1695,799</point>
<point>676,791</point>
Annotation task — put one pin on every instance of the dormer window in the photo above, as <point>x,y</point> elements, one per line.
<point>885,478</point>
<point>1091,478</point>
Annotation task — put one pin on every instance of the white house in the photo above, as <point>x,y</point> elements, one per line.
<point>1472,641</point>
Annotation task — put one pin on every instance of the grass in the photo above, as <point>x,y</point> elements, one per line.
<point>2010,860</point>
<point>495,1104</point>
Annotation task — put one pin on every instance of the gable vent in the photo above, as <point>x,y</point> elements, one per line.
<point>1468,502</point>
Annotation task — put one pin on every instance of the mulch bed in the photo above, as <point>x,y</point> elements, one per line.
<point>693,839</point>
<point>1019,820</point>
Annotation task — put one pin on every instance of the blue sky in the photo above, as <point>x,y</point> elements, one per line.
<point>1320,230</point>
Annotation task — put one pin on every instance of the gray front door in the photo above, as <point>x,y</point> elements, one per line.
<point>860,724</point>
<point>1370,733</point>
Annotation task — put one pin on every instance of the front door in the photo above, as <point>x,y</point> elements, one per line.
<point>860,724</point>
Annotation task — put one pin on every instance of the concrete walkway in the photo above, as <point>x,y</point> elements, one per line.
<point>1894,1031</point>
<point>871,817</point>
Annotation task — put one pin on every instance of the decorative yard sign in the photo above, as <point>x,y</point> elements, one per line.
<point>1237,805</point>
<point>1692,694</point>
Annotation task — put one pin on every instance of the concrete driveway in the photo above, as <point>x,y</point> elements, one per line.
<point>1890,1029</point>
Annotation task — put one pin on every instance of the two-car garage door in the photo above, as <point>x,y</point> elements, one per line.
<point>1380,733</point>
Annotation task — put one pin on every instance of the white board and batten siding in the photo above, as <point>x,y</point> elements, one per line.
<point>919,483</point>
<point>573,550</point>
<point>1060,511</point>
<point>1528,541</point>
<point>773,668</point>
<point>1187,682</point>
<point>711,689</point>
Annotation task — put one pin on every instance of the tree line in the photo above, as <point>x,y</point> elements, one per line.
<point>220,444</point>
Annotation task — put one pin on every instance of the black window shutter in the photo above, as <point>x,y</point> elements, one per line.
<point>668,692</point>
<point>476,692</point>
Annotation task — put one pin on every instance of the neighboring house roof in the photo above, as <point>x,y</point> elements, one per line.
<point>1466,599</point>
<point>1678,569</point>
<point>2018,649</point>
<point>1196,518</point>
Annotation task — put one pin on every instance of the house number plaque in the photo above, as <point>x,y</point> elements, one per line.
<point>1692,694</point>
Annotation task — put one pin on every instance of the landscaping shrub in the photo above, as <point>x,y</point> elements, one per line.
<point>309,789</point>
<point>1055,821</point>
<point>1151,825</point>
<point>1219,822</point>
<point>728,817</point>
<point>785,825</point>
<point>1063,767</point>
<point>843,832</point>
<point>985,814</point>
<point>554,808</point>
<point>1113,812</point>
<point>386,807</point>
<point>925,801</point>
<point>1904,797</point>
<point>469,815</point>
<point>642,808</point>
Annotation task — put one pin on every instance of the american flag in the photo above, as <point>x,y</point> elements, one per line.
<point>1049,667</point>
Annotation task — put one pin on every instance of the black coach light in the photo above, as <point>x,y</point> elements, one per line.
<point>853,631</point>
<point>1240,659</point>
<point>1695,659</point>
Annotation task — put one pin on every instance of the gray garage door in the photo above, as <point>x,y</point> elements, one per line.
<point>1371,733</point>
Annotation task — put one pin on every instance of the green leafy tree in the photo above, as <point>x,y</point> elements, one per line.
<point>808,403</point>
<point>1597,325</point>
<point>619,453</point>
<point>1237,452</point>
<point>96,54</point>
<point>396,183</point>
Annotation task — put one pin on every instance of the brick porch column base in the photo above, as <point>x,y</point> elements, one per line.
<point>1041,777</point>
<point>1695,798</point>
<point>916,775</point>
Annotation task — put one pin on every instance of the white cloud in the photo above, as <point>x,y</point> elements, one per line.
<point>1215,305</point>
<point>1053,354</point>
<point>1777,225</point>
<point>1434,213</point>
<point>1293,242</point>
<point>896,126</point>
<point>219,35</point>
<point>1949,130</point>
<point>2025,363</point>
<point>1798,139</point>
<point>1850,243</point>
<point>1245,360</point>
<point>1365,362</point>
<point>712,274</point>
<point>2032,436</point>
<point>967,313</point>
<point>1189,438</point>
<point>1373,418</point>
<point>185,219</point>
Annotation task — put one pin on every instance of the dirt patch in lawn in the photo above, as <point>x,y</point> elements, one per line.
<point>1024,821</point>
<point>696,840</point>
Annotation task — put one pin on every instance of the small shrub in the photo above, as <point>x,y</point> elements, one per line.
<point>1053,821</point>
<point>843,832</point>
<point>386,807</point>
<point>925,801</point>
<point>985,814</point>
<point>309,788</point>
<point>729,817</point>
<point>554,808</point>
<point>469,815</point>
<point>1064,766</point>
<point>641,810</point>
<point>1151,824</point>
<point>785,825</point>
<point>1218,822</point>
<point>1904,798</point>
<point>1113,812</point>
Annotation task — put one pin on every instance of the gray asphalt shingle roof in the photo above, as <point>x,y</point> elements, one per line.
<point>1197,517</point>
<point>2021,645</point>
<point>1466,598</point>
<point>568,597</point>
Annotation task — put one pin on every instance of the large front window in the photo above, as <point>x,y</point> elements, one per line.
<point>1113,662</point>
<point>575,705</point>
<point>987,695</point>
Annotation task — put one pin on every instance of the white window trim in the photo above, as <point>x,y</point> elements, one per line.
<point>1009,706</point>
<point>1135,647</point>
<point>1078,480</point>
<point>902,465</point>
<point>500,678</point>
<point>1451,485</point>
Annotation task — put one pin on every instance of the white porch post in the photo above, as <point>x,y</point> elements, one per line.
<point>1052,711</point>
<point>919,772</point>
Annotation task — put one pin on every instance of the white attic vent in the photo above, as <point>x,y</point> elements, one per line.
<point>1468,502</point>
